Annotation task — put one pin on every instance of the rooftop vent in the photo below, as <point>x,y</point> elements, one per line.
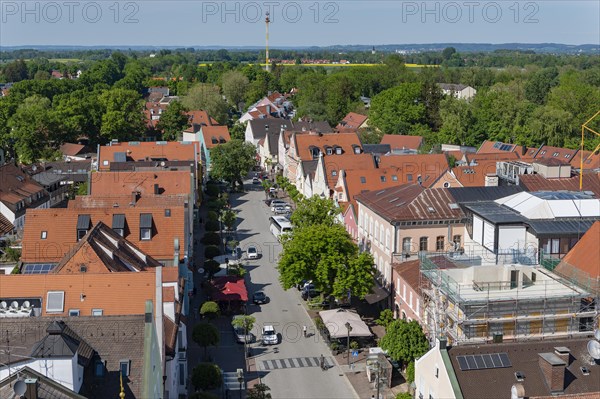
<point>520,376</point>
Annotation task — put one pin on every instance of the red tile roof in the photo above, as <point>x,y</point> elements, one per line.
<point>62,237</point>
<point>140,151</point>
<point>536,182</point>
<point>16,186</point>
<point>491,156</point>
<point>352,121</point>
<point>347,162</point>
<point>585,255</point>
<point>218,133</point>
<point>399,141</point>
<point>71,149</point>
<point>429,166</point>
<point>200,117</point>
<point>105,183</point>
<point>591,160</point>
<point>5,225</point>
<point>410,272</point>
<point>411,202</point>
<point>474,176</point>
<point>564,154</point>
<point>304,142</point>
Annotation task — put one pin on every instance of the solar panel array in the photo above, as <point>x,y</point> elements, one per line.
<point>39,268</point>
<point>480,362</point>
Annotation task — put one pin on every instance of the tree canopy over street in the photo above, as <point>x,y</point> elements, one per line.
<point>232,161</point>
<point>404,341</point>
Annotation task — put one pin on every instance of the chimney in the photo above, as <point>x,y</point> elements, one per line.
<point>491,180</point>
<point>553,369</point>
<point>31,385</point>
<point>564,353</point>
<point>523,150</point>
<point>156,189</point>
<point>442,342</point>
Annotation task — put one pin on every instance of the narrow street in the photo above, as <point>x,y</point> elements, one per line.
<point>291,368</point>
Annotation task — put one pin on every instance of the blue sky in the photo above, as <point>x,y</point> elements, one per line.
<point>296,23</point>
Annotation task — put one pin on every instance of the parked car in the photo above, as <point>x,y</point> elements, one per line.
<point>240,336</point>
<point>279,210</point>
<point>275,202</point>
<point>279,203</point>
<point>259,297</point>
<point>272,190</point>
<point>255,180</point>
<point>252,253</point>
<point>269,336</point>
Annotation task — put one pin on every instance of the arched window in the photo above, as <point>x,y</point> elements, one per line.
<point>381,235</point>
<point>403,315</point>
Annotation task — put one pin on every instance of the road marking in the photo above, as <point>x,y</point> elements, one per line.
<point>296,362</point>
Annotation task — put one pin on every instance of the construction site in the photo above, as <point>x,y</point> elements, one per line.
<point>472,304</point>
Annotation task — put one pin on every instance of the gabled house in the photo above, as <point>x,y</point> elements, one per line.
<point>397,223</point>
<point>546,151</point>
<point>328,170</point>
<point>461,91</point>
<point>591,161</point>
<point>75,152</point>
<point>408,302</point>
<point>424,169</point>
<point>481,174</point>
<point>352,122</point>
<point>497,147</point>
<point>210,137</point>
<point>18,193</point>
<point>125,156</point>
<point>530,369</point>
<point>403,143</point>
<point>274,105</point>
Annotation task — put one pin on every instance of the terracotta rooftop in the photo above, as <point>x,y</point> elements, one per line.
<point>591,160</point>
<point>474,176</point>
<point>215,135</point>
<point>429,166</point>
<point>410,272</point>
<point>546,151</point>
<point>551,162</point>
<point>399,141</point>
<point>102,250</point>
<point>17,186</point>
<point>5,225</point>
<point>346,162</point>
<point>200,117</point>
<point>170,182</point>
<point>358,181</point>
<point>352,121</point>
<point>491,156</point>
<point>585,255</point>
<point>525,358</point>
<point>411,202</point>
<point>304,143</point>
<point>537,182</point>
<point>116,294</point>
<point>71,149</point>
<point>489,146</point>
<point>146,151</point>
<point>45,241</point>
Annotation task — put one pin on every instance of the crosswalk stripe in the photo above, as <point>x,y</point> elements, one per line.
<point>297,362</point>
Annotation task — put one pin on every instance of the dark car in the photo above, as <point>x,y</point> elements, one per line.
<point>259,297</point>
<point>310,293</point>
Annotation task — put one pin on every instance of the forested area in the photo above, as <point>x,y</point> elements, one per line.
<point>535,99</point>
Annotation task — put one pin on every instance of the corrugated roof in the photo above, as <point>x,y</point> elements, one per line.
<point>471,194</point>
<point>537,182</point>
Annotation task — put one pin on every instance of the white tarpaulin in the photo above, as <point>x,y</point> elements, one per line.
<point>335,320</point>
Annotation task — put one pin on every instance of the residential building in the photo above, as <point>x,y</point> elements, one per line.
<point>36,384</point>
<point>403,143</point>
<point>352,122</point>
<point>76,152</point>
<point>534,369</point>
<point>515,228</point>
<point>274,105</point>
<point>590,161</point>
<point>552,168</point>
<point>408,303</point>
<point>546,151</point>
<point>125,156</point>
<point>18,193</point>
<point>458,90</point>
<point>589,182</point>
<point>488,147</point>
<point>396,223</point>
<point>424,169</point>
<point>210,137</point>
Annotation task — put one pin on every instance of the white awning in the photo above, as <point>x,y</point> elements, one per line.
<point>335,320</point>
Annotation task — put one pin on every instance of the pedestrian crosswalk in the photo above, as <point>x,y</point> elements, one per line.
<point>294,362</point>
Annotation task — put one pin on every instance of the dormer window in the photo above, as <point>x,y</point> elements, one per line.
<point>356,149</point>
<point>145,226</point>
<point>222,140</point>
<point>555,154</point>
<point>83,225</point>
<point>315,152</point>
<point>394,178</point>
<point>338,150</point>
<point>382,179</point>
<point>363,180</point>
<point>328,150</point>
<point>543,152</point>
<point>334,173</point>
<point>567,155</point>
<point>214,140</point>
<point>118,224</point>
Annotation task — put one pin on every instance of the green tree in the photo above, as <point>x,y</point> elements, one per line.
<point>398,110</point>
<point>386,317</point>
<point>41,75</point>
<point>238,131</point>
<point>30,128</point>
<point>259,391</point>
<point>245,323</point>
<point>210,309</point>
<point>539,84</point>
<point>456,119</point>
<point>549,125</point>
<point>211,267</point>
<point>207,376</point>
<point>122,118</point>
<point>448,52</point>
<point>326,255</point>
<point>404,341</point>
<point>15,71</point>
<point>207,97</point>
<point>173,121</point>
<point>315,210</point>
<point>229,217</point>
<point>410,372</point>
<point>232,161</point>
<point>77,113</point>
<point>205,335</point>
<point>235,84</point>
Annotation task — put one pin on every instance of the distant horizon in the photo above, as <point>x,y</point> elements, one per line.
<point>296,23</point>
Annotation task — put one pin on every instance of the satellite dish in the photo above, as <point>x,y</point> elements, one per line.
<point>163,164</point>
<point>593,348</point>
<point>20,388</point>
<point>597,334</point>
<point>517,391</point>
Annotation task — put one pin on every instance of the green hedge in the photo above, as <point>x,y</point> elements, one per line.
<point>211,238</point>
<point>211,251</point>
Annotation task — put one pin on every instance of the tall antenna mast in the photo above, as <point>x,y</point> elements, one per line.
<point>267,21</point>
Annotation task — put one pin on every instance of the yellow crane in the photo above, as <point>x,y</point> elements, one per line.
<point>585,127</point>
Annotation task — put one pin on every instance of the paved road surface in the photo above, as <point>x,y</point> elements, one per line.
<point>291,368</point>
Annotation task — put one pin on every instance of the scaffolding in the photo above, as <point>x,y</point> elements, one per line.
<point>478,305</point>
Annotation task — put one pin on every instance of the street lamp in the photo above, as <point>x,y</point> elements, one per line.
<point>240,378</point>
<point>349,328</point>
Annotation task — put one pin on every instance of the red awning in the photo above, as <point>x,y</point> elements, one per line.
<point>230,288</point>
